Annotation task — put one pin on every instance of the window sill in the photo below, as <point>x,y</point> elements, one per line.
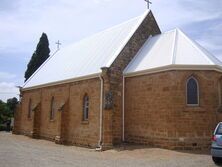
<point>193,105</point>
<point>85,122</point>
<point>194,108</point>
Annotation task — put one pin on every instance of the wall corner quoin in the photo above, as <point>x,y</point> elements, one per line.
<point>105,73</point>
<point>107,114</point>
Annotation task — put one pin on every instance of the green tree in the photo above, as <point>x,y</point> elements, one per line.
<point>11,103</point>
<point>39,56</point>
<point>4,112</point>
<point>7,109</point>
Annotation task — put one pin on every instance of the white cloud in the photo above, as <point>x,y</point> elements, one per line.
<point>8,90</point>
<point>178,13</point>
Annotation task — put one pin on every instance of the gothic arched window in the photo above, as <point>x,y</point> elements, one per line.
<point>85,107</point>
<point>52,108</point>
<point>192,92</point>
<point>30,108</point>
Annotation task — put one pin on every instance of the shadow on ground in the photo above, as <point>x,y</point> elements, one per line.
<point>133,147</point>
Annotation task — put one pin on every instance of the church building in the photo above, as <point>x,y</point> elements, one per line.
<point>130,83</point>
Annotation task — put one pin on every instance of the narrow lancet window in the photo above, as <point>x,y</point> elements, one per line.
<point>30,108</point>
<point>192,92</point>
<point>85,108</point>
<point>52,109</point>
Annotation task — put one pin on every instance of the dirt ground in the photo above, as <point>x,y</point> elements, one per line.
<point>21,151</point>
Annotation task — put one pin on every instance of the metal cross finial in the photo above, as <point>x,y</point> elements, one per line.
<point>58,43</point>
<point>148,3</point>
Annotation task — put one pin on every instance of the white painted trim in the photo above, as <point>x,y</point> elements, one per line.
<point>174,67</point>
<point>198,92</point>
<point>123,108</point>
<point>63,82</point>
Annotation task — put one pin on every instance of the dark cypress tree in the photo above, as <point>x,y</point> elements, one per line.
<point>39,56</point>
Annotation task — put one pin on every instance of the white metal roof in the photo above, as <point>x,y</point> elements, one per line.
<point>170,50</point>
<point>85,58</point>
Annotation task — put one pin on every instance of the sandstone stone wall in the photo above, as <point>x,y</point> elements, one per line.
<point>26,124</point>
<point>70,95</point>
<point>87,133</point>
<point>84,132</point>
<point>148,27</point>
<point>51,128</point>
<point>156,112</point>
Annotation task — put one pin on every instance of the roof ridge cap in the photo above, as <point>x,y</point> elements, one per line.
<point>175,46</point>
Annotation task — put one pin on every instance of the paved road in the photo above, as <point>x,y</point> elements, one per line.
<point>21,151</point>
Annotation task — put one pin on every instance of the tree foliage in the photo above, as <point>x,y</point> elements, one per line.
<point>4,112</point>
<point>7,109</point>
<point>39,56</point>
<point>11,103</point>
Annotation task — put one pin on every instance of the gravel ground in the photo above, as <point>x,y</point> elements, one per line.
<point>21,151</point>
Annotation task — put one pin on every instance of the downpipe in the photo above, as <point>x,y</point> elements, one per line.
<point>123,111</point>
<point>99,148</point>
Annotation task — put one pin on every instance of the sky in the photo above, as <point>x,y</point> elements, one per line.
<point>23,21</point>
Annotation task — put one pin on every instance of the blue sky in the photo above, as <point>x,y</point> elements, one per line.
<point>23,21</point>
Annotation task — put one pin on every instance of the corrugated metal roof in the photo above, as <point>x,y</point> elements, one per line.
<point>172,48</point>
<point>86,57</point>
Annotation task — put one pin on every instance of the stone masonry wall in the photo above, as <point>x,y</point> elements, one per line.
<point>78,132</point>
<point>87,133</point>
<point>148,27</point>
<point>51,128</point>
<point>26,124</point>
<point>156,112</point>
<point>84,132</point>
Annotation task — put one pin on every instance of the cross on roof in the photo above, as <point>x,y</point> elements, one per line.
<point>148,3</point>
<point>58,43</point>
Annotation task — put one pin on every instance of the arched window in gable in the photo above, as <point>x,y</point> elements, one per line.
<point>192,92</point>
<point>52,108</point>
<point>85,107</point>
<point>30,108</point>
